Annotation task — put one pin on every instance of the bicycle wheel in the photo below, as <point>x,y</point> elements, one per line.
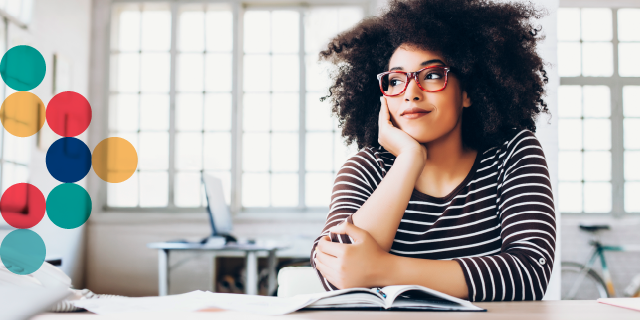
<point>592,286</point>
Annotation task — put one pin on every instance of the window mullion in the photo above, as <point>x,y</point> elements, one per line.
<point>139,93</point>
<point>302,128</point>
<point>172,103</point>
<point>236,110</point>
<point>617,132</point>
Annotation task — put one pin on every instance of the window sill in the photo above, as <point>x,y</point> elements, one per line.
<point>164,218</point>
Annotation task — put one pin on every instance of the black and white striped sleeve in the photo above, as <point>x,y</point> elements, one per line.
<point>353,185</point>
<point>522,269</point>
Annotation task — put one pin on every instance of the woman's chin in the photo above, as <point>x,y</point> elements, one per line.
<point>421,136</point>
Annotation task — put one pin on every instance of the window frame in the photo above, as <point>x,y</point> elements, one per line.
<point>615,83</point>
<point>4,19</point>
<point>8,21</point>
<point>238,8</point>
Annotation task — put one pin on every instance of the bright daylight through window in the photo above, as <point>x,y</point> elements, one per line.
<point>599,109</point>
<point>240,104</point>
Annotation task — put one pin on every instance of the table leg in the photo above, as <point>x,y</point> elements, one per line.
<point>272,272</point>
<point>212,273</point>
<point>163,272</point>
<point>251,261</point>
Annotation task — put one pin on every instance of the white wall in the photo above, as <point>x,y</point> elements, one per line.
<point>58,26</point>
<point>547,131</point>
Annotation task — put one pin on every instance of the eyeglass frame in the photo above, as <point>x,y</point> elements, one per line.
<point>413,75</point>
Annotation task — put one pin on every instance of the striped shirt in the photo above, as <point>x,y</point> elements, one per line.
<point>498,224</point>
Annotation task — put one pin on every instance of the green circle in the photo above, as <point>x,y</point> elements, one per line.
<point>22,68</point>
<point>22,251</point>
<point>68,206</point>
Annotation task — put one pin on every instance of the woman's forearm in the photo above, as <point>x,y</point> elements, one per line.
<point>445,276</point>
<point>380,215</point>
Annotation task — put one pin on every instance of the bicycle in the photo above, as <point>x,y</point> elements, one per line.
<point>585,282</point>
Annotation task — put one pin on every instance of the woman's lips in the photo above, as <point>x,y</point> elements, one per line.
<point>415,115</point>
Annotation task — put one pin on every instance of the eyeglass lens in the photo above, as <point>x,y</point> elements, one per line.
<point>432,79</point>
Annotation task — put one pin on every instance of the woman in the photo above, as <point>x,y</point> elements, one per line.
<point>451,188</point>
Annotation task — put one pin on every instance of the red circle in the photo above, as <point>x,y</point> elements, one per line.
<point>68,114</point>
<point>22,206</point>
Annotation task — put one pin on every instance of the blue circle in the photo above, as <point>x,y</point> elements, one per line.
<point>22,251</point>
<point>68,160</point>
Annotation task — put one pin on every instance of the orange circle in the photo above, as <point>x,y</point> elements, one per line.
<point>114,159</point>
<point>22,114</point>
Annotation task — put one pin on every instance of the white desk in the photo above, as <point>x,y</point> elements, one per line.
<point>521,310</point>
<point>251,261</point>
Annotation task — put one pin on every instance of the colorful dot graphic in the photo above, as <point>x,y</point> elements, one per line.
<point>22,68</point>
<point>68,114</point>
<point>68,160</point>
<point>22,205</point>
<point>114,160</point>
<point>22,114</point>
<point>68,206</point>
<point>22,251</point>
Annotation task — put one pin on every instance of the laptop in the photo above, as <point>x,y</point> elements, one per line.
<point>219,213</point>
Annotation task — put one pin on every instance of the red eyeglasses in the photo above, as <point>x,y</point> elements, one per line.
<point>429,79</point>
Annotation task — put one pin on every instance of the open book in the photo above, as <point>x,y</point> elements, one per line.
<point>390,298</point>
<point>405,297</point>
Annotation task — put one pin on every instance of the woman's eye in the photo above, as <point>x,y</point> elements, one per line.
<point>433,75</point>
<point>394,82</point>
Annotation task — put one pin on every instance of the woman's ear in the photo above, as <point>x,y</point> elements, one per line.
<point>466,101</point>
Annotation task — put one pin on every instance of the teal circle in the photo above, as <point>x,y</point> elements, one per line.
<point>22,251</point>
<point>22,68</point>
<point>68,206</point>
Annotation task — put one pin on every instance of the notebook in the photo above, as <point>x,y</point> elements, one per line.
<point>405,297</point>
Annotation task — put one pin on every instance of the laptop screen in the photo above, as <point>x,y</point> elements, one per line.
<point>219,214</point>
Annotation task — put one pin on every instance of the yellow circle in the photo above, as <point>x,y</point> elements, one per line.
<point>22,114</point>
<point>114,159</point>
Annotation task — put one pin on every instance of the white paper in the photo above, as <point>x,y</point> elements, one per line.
<point>628,303</point>
<point>191,301</point>
<point>194,301</point>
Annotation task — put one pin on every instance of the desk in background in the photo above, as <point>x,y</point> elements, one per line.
<point>250,252</point>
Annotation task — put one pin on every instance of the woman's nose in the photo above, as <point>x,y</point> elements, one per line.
<point>413,92</point>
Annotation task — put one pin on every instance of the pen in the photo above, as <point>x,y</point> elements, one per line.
<point>382,293</point>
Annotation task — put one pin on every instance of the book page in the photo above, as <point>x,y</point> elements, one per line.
<point>349,300</point>
<point>416,299</point>
<point>393,292</point>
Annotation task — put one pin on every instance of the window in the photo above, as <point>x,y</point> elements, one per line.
<point>19,11</point>
<point>15,152</point>
<point>139,100</point>
<point>599,110</point>
<point>235,94</point>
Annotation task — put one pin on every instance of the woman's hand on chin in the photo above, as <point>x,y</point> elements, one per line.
<point>394,139</point>
<point>360,264</point>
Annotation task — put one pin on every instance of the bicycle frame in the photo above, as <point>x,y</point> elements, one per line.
<point>598,252</point>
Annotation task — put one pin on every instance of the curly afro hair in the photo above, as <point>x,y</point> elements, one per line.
<point>490,46</point>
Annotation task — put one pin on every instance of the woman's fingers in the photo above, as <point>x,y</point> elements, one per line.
<point>327,260</point>
<point>326,271</point>
<point>331,248</point>
<point>384,118</point>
